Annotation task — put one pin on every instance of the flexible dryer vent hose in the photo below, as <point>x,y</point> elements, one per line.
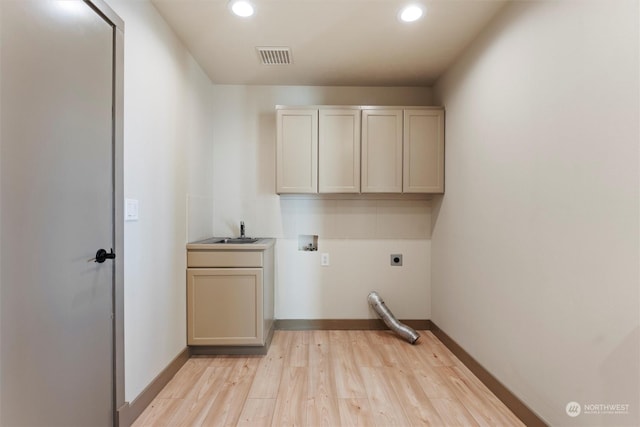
<point>406,332</point>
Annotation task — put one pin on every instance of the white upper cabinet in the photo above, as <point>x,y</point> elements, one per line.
<point>381,151</point>
<point>297,151</point>
<point>423,167</point>
<point>358,149</point>
<point>339,151</point>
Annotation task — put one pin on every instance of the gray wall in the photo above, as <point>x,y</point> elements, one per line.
<point>168,150</point>
<point>535,243</point>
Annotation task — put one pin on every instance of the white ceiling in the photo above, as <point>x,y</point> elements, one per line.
<point>333,42</point>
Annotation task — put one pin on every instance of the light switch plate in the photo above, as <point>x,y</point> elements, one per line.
<point>130,210</point>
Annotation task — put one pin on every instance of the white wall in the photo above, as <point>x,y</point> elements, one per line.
<point>535,243</point>
<point>167,159</point>
<point>359,235</point>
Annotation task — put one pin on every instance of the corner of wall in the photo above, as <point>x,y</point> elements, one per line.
<point>540,214</point>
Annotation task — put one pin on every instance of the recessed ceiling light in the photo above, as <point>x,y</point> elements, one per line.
<point>411,13</point>
<point>241,8</point>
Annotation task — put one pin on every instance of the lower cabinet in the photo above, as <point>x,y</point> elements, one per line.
<point>230,297</point>
<point>225,306</point>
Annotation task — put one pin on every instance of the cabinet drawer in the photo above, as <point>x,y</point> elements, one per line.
<point>224,259</point>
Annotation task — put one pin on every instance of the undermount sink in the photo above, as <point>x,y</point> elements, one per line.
<point>237,240</point>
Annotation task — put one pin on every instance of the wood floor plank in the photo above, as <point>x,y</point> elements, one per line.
<point>364,352</point>
<point>320,337</point>
<point>348,379</point>
<point>385,404</point>
<point>231,361</point>
<point>434,383</point>
<point>387,345</point>
<point>291,402</point>
<point>257,413</point>
<point>267,379</point>
<point>414,401</point>
<point>390,356</point>
<point>226,407</point>
<point>332,378</point>
<point>196,405</point>
<point>158,413</point>
<point>355,413</point>
<point>180,385</point>
<point>382,337</point>
<point>298,354</point>
<point>479,401</point>
<point>322,410</point>
<point>283,339</point>
<point>318,354</point>
<point>322,381</point>
<point>469,377</point>
<point>414,356</point>
<point>437,354</point>
<point>305,337</point>
<point>453,413</point>
<point>338,337</point>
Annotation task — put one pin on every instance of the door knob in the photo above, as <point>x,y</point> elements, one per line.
<point>102,256</point>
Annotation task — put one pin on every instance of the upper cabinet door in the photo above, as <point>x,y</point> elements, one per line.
<point>423,151</point>
<point>339,151</point>
<point>297,151</point>
<point>381,151</point>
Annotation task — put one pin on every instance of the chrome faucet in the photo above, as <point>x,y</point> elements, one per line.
<point>242,236</point>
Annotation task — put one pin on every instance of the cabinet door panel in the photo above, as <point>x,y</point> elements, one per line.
<point>339,151</point>
<point>297,151</point>
<point>382,151</point>
<point>225,306</point>
<point>423,151</point>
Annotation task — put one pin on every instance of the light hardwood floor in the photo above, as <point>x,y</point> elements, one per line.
<point>330,378</point>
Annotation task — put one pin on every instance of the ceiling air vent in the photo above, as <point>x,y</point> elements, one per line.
<point>274,55</point>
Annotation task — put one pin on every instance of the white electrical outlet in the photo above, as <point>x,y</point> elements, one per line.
<point>324,259</point>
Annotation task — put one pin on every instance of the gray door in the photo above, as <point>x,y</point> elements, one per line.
<point>56,188</point>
